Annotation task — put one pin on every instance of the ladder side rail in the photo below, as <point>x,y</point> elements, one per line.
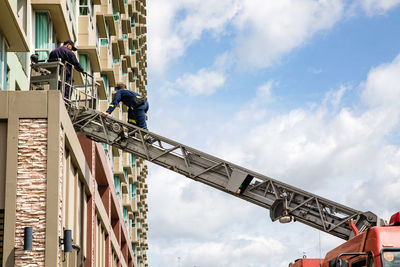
<point>310,209</point>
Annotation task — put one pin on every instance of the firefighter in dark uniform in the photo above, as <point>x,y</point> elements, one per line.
<point>137,105</point>
<point>65,53</point>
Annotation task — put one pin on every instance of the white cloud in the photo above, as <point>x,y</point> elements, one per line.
<point>204,82</point>
<point>262,251</point>
<point>269,30</point>
<point>264,31</point>
<point>382,88</point>
<point>339,152</point>
<point>174,25</point>
<point>256,108</point>
<point>374,7</point>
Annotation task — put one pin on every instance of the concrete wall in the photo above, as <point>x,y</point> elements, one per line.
<point>49,182</point>
<point>18,78</point>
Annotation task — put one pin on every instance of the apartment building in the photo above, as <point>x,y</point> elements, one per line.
<point>50,179</point>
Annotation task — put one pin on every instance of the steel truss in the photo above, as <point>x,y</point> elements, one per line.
<point>285,202</point>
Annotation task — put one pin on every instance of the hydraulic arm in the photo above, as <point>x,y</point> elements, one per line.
<point>285,202</point>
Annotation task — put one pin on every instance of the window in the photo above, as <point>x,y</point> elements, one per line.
<point>117,186</point>
<point>133,160</point>
<point>85,62</point>
<point>132,21</point>
<point>3,62</point>
<point>133,190</point>
<point>43,35</point>
<point>103,41</point>
<point>116,16</point>
<point>84,7</point>
<point>125,214</point>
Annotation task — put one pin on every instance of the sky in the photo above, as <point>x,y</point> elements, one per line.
<point>304,91</point>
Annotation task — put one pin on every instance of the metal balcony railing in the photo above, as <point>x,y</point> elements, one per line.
<point>51,75</point>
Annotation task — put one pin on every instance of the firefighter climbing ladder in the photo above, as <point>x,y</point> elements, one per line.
<point>285,202</point>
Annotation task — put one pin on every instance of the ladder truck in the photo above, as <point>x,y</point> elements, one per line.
<point>369,240</point>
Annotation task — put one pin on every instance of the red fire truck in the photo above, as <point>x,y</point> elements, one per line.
<point>377,246</point>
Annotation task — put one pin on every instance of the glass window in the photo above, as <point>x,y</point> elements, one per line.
<point>43,35</point>
<point>85,62</point>
<point>116,16</point>
<point>1,58</point>
<point>132,21</point>
<point>103,41</point>
<point>117,185</point>
<point>133,190</point>
<point>133,160</point>
<point>84,7</point>
<point>125,214</point>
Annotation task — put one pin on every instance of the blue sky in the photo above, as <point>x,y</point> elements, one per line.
<point>303,91</point>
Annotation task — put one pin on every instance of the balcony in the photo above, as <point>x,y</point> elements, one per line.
<point>126,25</point>
<point>101,89</point>
<point>122,7</point>
<point>131,178</point>
<point>112,28</point>
<point>124,65</point>
<point>88,41</point>
<point>115,49</point>
<point>134,236</point>
<point>118,164</point>
<point>12,28</point>
<point>134,205</point>
<point>131,7</point>
<point>59,16</point>
<point>126,202</point>
<point>123,46</point>
<point>117,71</point>
<point>106,65</point>
<point>131,76</point>
<point>101,25</point>
<point>127,162</point>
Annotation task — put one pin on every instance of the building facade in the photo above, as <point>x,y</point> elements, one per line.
<point>51,179</point>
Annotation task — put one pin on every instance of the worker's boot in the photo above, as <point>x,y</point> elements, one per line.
<point>148,139</point>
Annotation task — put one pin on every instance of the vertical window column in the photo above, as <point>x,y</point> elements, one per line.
<point>43,34</point>
<point>3,62</point>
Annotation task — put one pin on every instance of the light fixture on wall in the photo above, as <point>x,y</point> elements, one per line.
<point>28,236</point>
<point>66,241</point>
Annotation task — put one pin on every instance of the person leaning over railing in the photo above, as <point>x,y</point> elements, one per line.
<point>65,53</point>
<point>137,107</point>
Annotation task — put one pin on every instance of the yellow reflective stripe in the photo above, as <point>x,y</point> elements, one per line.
<point>132,120</point>
<point>138,96</point>
<point>111,105</point>
<point>132,108</point>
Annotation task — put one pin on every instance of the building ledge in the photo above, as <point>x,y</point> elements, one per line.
<point>58,14</point>
<point>11,29</point>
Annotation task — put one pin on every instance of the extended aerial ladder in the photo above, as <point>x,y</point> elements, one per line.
<point>285,202</point>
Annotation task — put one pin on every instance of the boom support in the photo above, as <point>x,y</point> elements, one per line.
<point>284,201</point>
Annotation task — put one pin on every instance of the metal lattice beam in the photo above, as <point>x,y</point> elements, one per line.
<point>292,202</point>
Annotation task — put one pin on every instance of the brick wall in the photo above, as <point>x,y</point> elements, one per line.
<point>31,190</point>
